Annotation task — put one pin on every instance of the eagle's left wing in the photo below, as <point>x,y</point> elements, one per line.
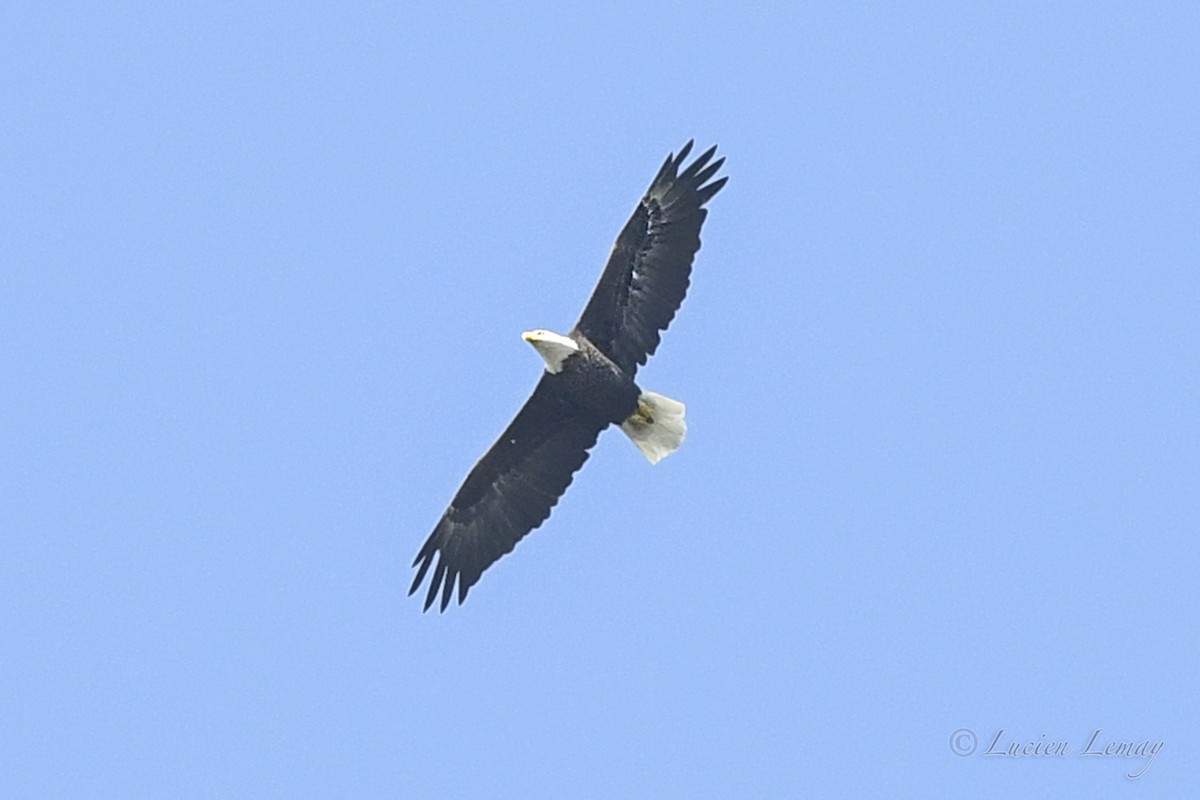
<point>647,273</point>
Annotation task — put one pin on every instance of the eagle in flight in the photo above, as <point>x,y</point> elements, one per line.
<point>588,384</point>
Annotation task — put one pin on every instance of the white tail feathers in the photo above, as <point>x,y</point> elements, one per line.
<point>657,426</point>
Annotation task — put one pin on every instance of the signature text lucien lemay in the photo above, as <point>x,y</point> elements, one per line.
<point>1005,746</point>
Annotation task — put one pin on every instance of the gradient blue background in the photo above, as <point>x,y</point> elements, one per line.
<point>263,271</point>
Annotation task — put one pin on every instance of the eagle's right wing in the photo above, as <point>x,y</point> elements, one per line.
<point>509,492</point>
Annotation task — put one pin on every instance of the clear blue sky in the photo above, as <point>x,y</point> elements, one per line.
<point>263,273</point>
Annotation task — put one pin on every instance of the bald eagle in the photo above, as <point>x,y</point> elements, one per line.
<point>587,385</point>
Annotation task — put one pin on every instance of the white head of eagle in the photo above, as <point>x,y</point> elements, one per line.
<point>552,347</point>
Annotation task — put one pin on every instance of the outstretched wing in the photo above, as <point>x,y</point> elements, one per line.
<point>647,274</point>
<point>509,492</point>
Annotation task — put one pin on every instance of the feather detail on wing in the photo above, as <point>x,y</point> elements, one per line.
<point>646,277</point>
<point>508,493</point>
